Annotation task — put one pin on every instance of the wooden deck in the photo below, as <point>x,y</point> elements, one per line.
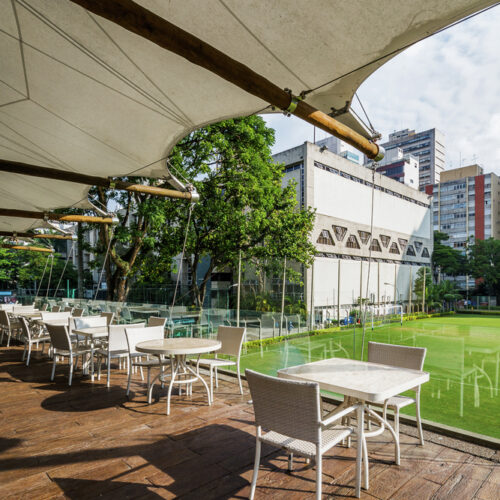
<point>88,441</point>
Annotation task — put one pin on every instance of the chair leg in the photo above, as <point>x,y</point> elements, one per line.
<point>290,462</point>
<point>216,378</point>
<point>239,376</point>
<point>54,357</point>
<point>419,420</point>
<point>211,383</point>
<point>109,371</point>
<point>99,363</point>
<point>255,467</point>
<point>319,473</point>
<point>29,354</point>
<point>24,352</point>
<point>70,370</point>
<point>129,378</point>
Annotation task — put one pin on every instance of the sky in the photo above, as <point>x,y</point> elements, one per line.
<point>450,81</point>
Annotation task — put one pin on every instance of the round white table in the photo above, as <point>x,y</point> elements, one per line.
<point>177,349</point>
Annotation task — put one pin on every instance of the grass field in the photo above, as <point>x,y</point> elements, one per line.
<point>463,359</point>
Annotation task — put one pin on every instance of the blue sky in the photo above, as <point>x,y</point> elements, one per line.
<point>450,81</point>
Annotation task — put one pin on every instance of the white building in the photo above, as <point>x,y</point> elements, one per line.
<point>341,192</point>
<point>401,167</point>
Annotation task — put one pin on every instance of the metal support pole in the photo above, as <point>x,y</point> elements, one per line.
<point>283,296</point>
<point>238,297</point>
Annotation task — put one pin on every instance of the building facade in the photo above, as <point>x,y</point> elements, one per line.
<point>400,167</point>
<point>465,205</point>
<point>428,146</point>
<point>351,262</point>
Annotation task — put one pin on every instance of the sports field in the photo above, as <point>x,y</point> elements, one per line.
<point>463,359</point>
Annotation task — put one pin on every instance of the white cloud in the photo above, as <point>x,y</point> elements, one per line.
<point>450,81</point>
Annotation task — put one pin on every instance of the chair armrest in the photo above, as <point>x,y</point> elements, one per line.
<point>339,413</point>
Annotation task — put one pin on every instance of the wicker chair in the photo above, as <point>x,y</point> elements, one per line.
<point>30,339</point>
<point>402,357</point>
<point>10,326</point>
<point>62,346</point>
<point>231,338</point>
<point>291,412</point>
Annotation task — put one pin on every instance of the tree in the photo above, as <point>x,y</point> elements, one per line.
<point>243,206</point>
<point>24,269</point>
<point>484,264</point>
<point>420,288</point>
<point>450,261</point>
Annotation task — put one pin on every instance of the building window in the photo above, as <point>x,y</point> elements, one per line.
<point>402,243</point>
<point>364,236</point>
<point>410,251</point>
<point>394,248</point>
<point>385,240</point>
<point>325,238</point>
<point>418,245</point>
<point>375,246</point>
<point>340,232</point>
<point>352,242</point>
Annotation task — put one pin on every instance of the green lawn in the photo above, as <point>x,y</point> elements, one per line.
<point>463,357</point>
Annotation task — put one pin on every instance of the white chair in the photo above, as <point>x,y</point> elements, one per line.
<point>402,357</point>
<point>29,339</point>
<point>134,336</point>
<point>109,317</point>
<point>62,346</point>
<point>10,326</point>
<point>60,318</point>
<point>90,322</point>
<point>117,348</point>
<point>291,412</point>
<point>231,338</point>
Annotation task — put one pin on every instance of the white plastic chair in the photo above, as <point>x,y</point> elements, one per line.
<point>90,322</point>
<point>29,339</point>
<point>402,357</point>
<point>117,348</point>
<point>291,412</point>
<point>62,346</point>
<point>134,336</point>
<point>231,338</point>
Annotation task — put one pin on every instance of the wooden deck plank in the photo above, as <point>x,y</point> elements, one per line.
<point>88,441</point>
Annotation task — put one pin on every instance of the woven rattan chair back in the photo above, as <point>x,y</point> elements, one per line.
<point>397,355</point>
<point>25,329</point>
<point>135,335</point>
<point>156,321</point>
<point>286,406</point>
<point>117,340</point>
<point>77,313</point>
<point>56,309</point>
<point>110,316</point>
<point>90,322</point>
<point>231,338</point>
<point>59,337</point>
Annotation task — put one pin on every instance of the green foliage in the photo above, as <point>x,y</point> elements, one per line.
<point>442,294</point>
<point>423,274</point>
<point>450,261</point>
<point>484,264</point>
<point>22,269</point>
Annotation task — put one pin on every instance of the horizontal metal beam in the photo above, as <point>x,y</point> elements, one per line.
<point>39,235</point>
<point>15,167</point>
<point>143,22</point>
<point>27,214</point>
<point>27,248</point>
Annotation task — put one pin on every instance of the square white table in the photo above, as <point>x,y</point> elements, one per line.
<point>363,381</point>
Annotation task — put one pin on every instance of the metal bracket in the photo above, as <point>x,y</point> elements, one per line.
<point>340,111</point>
<point>294,101</point>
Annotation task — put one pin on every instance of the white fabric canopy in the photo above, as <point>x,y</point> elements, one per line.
<point>80,93</point>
